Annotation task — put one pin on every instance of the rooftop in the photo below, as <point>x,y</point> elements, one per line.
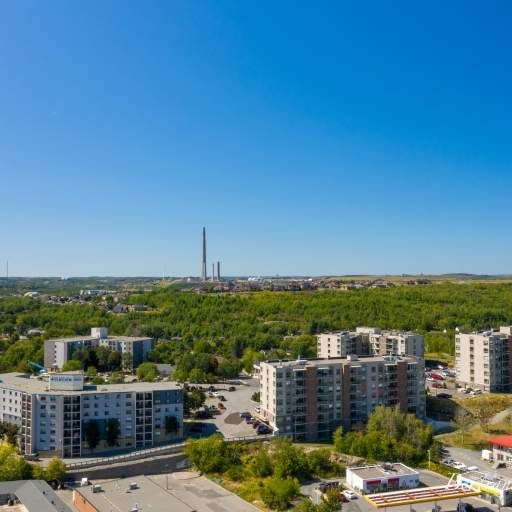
<point>502,441</point>
<point>352,360</point>
<point>164,493</point>
<point>35,495</point>
<point>494,481</point>
<point>377,471</point>
<point>23,382</point>
<point>72,339</point>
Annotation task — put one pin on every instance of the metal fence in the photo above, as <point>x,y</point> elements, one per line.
<point>154,452</point>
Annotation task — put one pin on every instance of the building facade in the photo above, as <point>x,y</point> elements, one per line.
<point>53,413</point>
<point>382,478</point>
<point>58,352</point>
<point>484,359</point>
<point>369,341</point>
<point>308,399</point>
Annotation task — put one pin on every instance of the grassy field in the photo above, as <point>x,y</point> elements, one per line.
<point>480,431</point>
<point>439,358</point>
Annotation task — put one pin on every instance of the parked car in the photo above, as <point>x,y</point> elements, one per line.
<point>437,385</point>
<point>245,415</point>
<point>473,468</point>
<point>255,424</point>
<point>460,466</point>
<point>350,495</point>
<point>477,392</point>
<point>444,395</point>
<point>231,388</point>
<point>221,406</point>
<point>263,429</point>
<point>222,398</point>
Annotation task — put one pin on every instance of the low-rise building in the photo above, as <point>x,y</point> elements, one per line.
<point>307,399</point>
<point>57,352</point>
<point>382,478</point>
<point>495,489</point>
<point>369,341</point>
<point>54,413</point>
<point>30,496</point>
<point>502,449</point>
<point>484,359</point>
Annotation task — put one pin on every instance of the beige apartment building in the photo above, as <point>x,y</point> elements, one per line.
<point>484,359</point>
<point>369,341</point>
<point>307,399</point>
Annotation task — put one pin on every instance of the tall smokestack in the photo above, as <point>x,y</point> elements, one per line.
<point>204,275</point>
<point>213,271</point>
<point>218,270</point>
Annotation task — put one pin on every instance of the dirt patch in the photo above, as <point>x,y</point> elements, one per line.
<point>233,419</point>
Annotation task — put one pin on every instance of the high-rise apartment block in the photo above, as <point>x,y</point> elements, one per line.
<point>58,352</point>
<point>369,341</point>
<point>53,412</point>
<point>484,359</point>
<point>308,399</point>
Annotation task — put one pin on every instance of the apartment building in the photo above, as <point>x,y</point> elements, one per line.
<point>58,351</point>
<point>484,359</point>
<point>309,398</point>
<point>53,411</point>
<point>369,341</point>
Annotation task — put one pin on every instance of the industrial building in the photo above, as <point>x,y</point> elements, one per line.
<point>484,359</point>
<point>307,399</point>
<point>369,341</point>
<point>53,412</point>
<point>382,478</point>
<point>57,352</point>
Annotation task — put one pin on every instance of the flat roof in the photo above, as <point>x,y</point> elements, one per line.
<point>36,495</point>
<point>71,339</point>
<point>493,481</point>
<point>337,360</point>
<point>420,495</point>
<point>165,493</point>
<point>22,382</point>
<point>382,470</point>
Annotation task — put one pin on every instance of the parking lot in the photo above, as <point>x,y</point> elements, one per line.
<point>229,422</point>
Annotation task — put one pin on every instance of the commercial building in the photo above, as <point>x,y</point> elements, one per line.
<point>53,413</point>
<point>369,341</point>
<point>502,449</point>
<point>495,489</point>
<point>179,492</point>
<point>308,399</point>
<point>382,478</point>
<point>58,352</point>
<point>484,359</point>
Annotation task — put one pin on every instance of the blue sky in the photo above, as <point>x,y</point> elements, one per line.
<point>325,138</point>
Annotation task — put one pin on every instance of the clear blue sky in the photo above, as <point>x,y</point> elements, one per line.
<point>310,138</point>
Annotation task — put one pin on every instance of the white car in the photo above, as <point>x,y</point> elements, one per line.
<point>215,393</point>
<point>473,468</point>
<point>350,495</point>
<point>459,465</point>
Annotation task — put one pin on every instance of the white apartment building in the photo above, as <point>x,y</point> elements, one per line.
<point>484,359</point>
<point>369,341</point>
<point>57,352</point>
<point>308,399</point>
<point>52,412</point>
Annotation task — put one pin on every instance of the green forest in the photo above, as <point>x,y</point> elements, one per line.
<point>214,335</point>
